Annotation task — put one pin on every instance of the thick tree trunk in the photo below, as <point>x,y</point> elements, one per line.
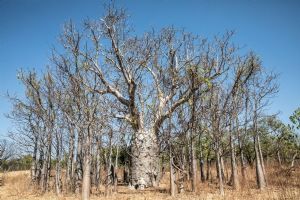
<point>86,181</point>
<point>145,160</point>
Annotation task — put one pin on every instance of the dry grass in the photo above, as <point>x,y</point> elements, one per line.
<point>283,184</point>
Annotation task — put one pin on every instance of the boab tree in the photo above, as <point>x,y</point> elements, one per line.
<point>144,74</point>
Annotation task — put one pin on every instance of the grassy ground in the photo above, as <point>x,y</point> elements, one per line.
<point>282,184</point>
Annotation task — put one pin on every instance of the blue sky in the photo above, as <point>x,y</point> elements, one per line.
<point>30,28</point>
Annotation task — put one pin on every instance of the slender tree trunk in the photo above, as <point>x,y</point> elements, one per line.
<point>58,165</point>
<point>201,161</point>
<point>98,161</point>
<point>223,169</point>
<point>279,159</point>
<point>40,165</point>
<point>202,174</point>
<point>208,163</point>
<point>70,166</point>
<point>116,171</point>
<point>86,180</point>
<point>44,173</point>
<point>192,149</point>
<point>194,171</point>
<point>46,164</point>
<point>184,166</point>
<point>261,157</point>
<point>259,171</point>
<point>242,159</point>
<point>34,161</point>
<point>172,175</point>
<point>234,176</point>
<point>172,171</point>
<point>109,168</point>
<point>293,160</point>
<point>79,159</point>
<point>219,170</point>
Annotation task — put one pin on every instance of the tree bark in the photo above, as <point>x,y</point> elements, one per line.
<point>234,176</point>
<point>86,180</point>
<point>219,170</point>
<point>78,164</point>
<point>116,171</point>
<point>208,164</point>
<point>259,171</point>
<point>172,176</point>
<point>34,162</point>
<point>261,157</point>
<point>279,159</point>
<point>293,160</point>
<point>70,166</point>
<point>98,162</point>
<point>46,164</point>
<point>242,159</point>
<point>145,160</point>
<point>58,184</point>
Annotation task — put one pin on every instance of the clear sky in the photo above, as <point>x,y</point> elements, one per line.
<point>30,28</point>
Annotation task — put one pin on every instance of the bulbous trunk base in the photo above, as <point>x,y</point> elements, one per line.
<point>145,170</point>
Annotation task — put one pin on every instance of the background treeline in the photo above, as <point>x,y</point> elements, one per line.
<point>166,100</point>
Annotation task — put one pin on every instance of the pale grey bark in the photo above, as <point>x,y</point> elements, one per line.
<point>34,162</point>
<point>293,160</point>
<point>86,180</point>
<point>261,157</point>
<point>219,170</point>
<point>46,163</point>
<point>234,176</point>
<point>116,171</point>
<point>260,179</point>
<point>172,174</point>
<point>70,161</point>
<point>58,182</point>
<point>78,164</point>
<point>98,162</point>
<point>145,160</point>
